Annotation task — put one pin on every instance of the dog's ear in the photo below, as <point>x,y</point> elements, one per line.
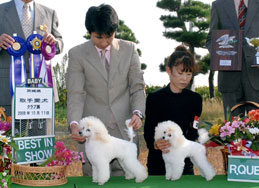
<point>178,140</point>
<point>102,134</point>
<point>157,133</point>
<point>101,137</point>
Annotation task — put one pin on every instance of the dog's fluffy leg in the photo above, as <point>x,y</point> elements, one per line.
<point>103,171</point>
<point>177,169</point>
<point>168,170</point>
<point>128,174</point>
<point>95,177</point>
<point>133,167</point>
<point>129,130</point>
<point>199,159</point>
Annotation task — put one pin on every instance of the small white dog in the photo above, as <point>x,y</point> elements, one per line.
<point>179,150</point>
<point>101,148</point>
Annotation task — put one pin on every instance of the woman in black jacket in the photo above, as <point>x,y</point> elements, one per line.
<point>174,103</point>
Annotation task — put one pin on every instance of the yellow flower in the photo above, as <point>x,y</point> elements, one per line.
<point>5,139</point>
<point>214,130</point>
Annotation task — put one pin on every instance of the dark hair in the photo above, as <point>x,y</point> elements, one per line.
<point>102,19</point>
<point>182,56</point>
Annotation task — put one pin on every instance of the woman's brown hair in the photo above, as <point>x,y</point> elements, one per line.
<point>182,56</point>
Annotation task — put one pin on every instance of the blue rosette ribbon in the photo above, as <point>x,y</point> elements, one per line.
<point>33,43</point>
<point>17,66</point>
<point>48,52</point>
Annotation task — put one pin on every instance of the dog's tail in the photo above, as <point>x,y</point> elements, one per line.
<point>129,130</point>
<point>203,135</point>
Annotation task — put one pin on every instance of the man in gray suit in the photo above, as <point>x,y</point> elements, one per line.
<point>104,79</point>
<point>237,86</point>
<point>10,23</point>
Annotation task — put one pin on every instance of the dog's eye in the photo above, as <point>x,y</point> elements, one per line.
<point>169,135</point>
<point>88,130</point>
<point>164,132</point>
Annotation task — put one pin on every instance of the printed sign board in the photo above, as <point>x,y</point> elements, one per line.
<point>243,168</point>
<point>34,149</point>
<point>33,103</point>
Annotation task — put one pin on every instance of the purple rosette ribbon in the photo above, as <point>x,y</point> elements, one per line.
<point>48,52</point>
<point>34,47</point>
<point>17,66</point>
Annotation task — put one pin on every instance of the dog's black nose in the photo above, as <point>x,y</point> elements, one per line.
<point>163,138</point>
<point>80,133</point>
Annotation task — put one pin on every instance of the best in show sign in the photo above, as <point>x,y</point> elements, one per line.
<point>34,149</point>
<point>242,168</point>
<point>33,103</point>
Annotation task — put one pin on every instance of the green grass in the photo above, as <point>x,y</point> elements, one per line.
<point>61,116</point>
<point>212,110</point>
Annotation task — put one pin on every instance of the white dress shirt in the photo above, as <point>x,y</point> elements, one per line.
<point>19,7</point>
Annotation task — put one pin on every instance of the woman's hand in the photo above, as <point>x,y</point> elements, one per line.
<point>162,145</point>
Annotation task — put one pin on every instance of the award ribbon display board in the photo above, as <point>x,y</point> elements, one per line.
<point>226,50</point>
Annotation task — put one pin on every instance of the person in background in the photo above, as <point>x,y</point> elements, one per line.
<point>175,103</point>
<point>104,79</point>
<point>23,17</point>
<point>237,86</point>
<point>12,20</point>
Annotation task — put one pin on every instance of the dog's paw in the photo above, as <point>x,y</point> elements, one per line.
<point>95,181</point>
<point>168,177</point>
<point>129,177</point>
<point>173,178</point>
<point>210,176</point>
<point>101,183</point>
<point>141,178</point>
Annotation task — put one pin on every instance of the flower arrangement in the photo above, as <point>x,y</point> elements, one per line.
<point>5,178</point>
<point>6,144</point>
<point>239,134</point>
<point>63,156</point>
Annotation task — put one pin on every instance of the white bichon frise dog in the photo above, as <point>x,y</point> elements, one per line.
<point>101,148</point>
<point>179,150</point>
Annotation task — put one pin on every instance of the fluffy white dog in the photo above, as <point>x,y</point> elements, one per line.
<point>179,150</point>
<point>101,148</point>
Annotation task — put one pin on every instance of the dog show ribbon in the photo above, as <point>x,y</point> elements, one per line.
<point>241,147</point>
<point>34,46</point>
<point>17,65</point>
<point>48,52</point>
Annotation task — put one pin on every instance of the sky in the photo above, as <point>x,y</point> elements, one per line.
<point>141,16</point>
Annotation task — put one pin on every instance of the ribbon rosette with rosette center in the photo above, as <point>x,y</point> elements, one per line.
<point>17,67</point>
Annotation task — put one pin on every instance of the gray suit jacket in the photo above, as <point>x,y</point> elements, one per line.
<point>9,24</point>
<point>223,16</point>
<point>91,93</point>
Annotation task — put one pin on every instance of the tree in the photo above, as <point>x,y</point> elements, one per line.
<point>204,64</point>
<point>60,71</point>
<point>125,33</point>
<point>188,23</point>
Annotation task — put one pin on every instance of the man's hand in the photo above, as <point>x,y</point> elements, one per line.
<point>6,41</point>
<point>75,133</point>
<point>162,145</point>
<point>135,122</point>
<point>49,39</point>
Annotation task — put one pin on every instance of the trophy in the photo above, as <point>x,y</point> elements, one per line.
<point>226,50</point>
<point>255,43</point>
